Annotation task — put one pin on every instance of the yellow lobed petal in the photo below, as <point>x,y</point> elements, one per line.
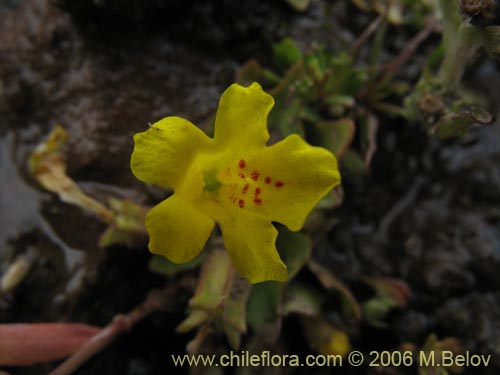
<point>177,230</point>
<point>250,243</point>
<point>241,120</point>
<point>164,152</point>
<point>287,180</point>
<point>234,180</point>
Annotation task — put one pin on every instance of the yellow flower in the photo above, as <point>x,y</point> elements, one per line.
<point>232,179</point>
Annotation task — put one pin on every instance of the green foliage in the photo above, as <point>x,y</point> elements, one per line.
<point>163,266</point>
<point>438,101</point>
<point>327,98</point>
<point>220,299</point>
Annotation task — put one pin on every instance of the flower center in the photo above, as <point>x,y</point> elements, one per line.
<point>212,184</point>
<point>249,186</point>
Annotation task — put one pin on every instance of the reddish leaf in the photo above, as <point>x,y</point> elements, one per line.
<point>26,344</point>
<point>396,289</point>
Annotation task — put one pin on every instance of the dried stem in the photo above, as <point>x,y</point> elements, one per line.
<point>367,33</point>
<point>410,49</point>
<point>156,300</point>
<point>395,65</point>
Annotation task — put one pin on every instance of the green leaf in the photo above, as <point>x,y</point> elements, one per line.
<point>390,287</point>
<point>376,309</point>
<point>352,163</point>
<point>333,199</point>
<point>345,78</point>
<point>316,64</point>
<point>127,224</point>
<point>453,125</point>
<point>234,317</point>
<point>329,281</point>
<point>216,279</point>
<point>295,250</point>
<point>338,104</point>
<point>460,41</point>
<point>286,53</point>
<point>220,297</point>
<point>264,310</point>
<point>491,39</point>
<point>302,299</point>
<point>252,71</point>
<point>336,135</point>
<point>288,118</point>
<point>163,266</point>
<point>286,115</point>
<point>195,318</point>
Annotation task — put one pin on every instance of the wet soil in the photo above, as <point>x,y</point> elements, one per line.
<point>427,213</point>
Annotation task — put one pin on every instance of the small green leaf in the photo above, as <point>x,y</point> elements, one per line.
<point>220,297</point>
<point>295,250</point>
<point>316,64</point>
<point>286,53</point>
<point>195,318</point>
<point>264,310</point>
<point>161,265</point>
<point>286,115</point>
<point>289,119</point>
<point>390,293</point>
<point>333,199</point>
<point>453,125</point>
<point>491,39</point>
<point>376,309</point>
<point>302,299</point>
<point>481,116</point>
<point>329,281</point>
<point>336,135</point>
<point>217,275</point>
<point>127,224</point>
<point>352,163</point>
<point>234,317</point>
<point>390,287</point>
<point>252,71</point>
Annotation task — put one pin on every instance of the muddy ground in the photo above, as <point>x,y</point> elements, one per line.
<point>427,213</point>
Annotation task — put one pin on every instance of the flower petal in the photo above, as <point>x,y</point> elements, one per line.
<point>177,230</point>
<point>293,176</point>
<point>163,153</point>
<point>250,243</point>
<point>241,119</point>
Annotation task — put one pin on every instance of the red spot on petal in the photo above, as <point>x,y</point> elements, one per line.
<point>242,164</point>
<point>257,201</point>
<point>241,175</point>
<point>245,188</point>
<point>257,191</point>
<point>255,175</point>
<point>268,180</point>
<point>241,203</point>
<point>279,184</point>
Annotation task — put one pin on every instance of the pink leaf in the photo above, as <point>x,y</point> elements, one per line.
<point>26,344</point>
